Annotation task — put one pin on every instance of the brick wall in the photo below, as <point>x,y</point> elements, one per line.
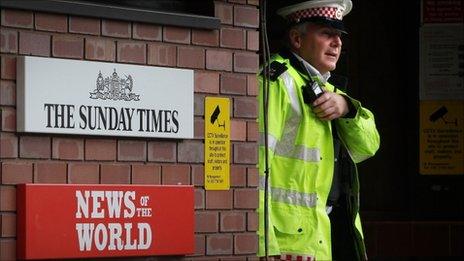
<point>225,62</point>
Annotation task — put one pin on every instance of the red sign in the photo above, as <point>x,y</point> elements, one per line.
<point>442,11</point>
<point>75,221</point>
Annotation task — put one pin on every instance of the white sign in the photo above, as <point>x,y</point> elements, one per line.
<point>95,98</point>
<point>441,61</point>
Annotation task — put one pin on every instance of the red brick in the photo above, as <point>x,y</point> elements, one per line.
<point>34,147</point>
<point>191,57</point>
<point>132,150</point>
<point>233,83</point>
<point>8,67</point>
<point>238,176</point>
<point>233,221</point>
<point>252,221</point>
<point>233,38</point>
<point>7,93</point>
<point>224,12</point>
<point>219,244</point>
<point>198,104</point>
<point>8,225</point>
<point>252,85</point>
<point>252,177</point>
<point>83,173</point>
<point>219,199</point>
<point>199,128</point>
<point>246,198</point>
<point>206,221</point>
<point>115,174</point>
<point>100,149</point>
<point>162,151</point>
<point>205,258</point>
<point>199,198</point>
<point>13,173</point>
<point>17,18</point>
<point>100,49</point>
<point>68,46</point>
<point>175,174</point>
<point>252,131</point>
<point>219,60</point>
<point>116,28</point>
<point>237,1</point>
<point>84,25</point>
<point>200,245</point>
<point>7,249</point>
<point>198,175</point>
<point>246,16</point>
<point>8,145</point>
<point>162,54</point>
<point>253,2</point>
<point>207,82</point>
<point>146,32</point>
<point>34,44</point>
<point>7,198</point>
<point>190,151</point>
<point>68,148</point>
<point>129,52</point>
<point>238,130</point>
<point>8,119</point>
<point>9,41</point>
<point>245,243</point>
<point>51,22</point>
<point>253,40</point>
<point>246,62</point>
<point>50,172</point>
<point>246,153</point>
<point>176,35</point>
<point>240,258</point>
<point>205,37</point>
<point>146,174</point>
<point>245,107</point>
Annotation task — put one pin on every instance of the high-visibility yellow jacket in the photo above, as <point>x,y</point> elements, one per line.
<point>301,166</point>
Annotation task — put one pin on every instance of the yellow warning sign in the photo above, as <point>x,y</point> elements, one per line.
<point>442,137</point>
<point>217,143</point>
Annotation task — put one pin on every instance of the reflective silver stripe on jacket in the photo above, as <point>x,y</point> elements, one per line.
<point>290,196</point>
<point>286,146</point>
<point>271,141</point>
<point>292,94</point>
<point>290,150</point>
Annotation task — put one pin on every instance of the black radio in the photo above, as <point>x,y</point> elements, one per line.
<point>311,92</point>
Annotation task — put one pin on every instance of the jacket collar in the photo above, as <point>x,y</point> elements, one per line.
<point>294,62</point>
<point>299,64</point>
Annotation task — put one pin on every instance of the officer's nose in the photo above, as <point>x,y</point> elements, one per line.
<point>336,41</point>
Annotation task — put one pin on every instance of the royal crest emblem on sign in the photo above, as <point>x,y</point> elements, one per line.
<point>114,88</point>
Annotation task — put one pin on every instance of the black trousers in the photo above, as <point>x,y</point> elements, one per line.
<point>343,240</point>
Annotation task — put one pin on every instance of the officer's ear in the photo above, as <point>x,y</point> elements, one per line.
<point>294,38</point>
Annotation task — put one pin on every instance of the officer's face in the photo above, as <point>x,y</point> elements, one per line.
<point>320,46</point>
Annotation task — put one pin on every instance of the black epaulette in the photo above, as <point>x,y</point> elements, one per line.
<point>276,70</point>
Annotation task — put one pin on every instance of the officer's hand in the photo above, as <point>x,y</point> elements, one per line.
<point>330,106</point>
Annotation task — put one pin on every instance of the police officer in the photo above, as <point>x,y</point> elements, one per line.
<point>316,133</point>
